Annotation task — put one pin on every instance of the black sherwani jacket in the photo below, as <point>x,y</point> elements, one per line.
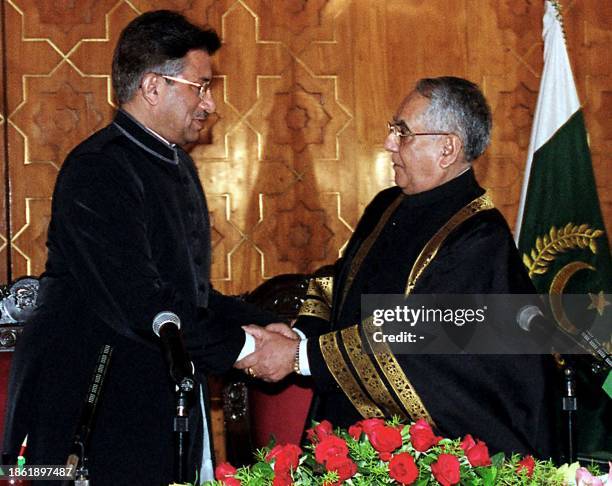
<point>129,237</point>
<point>503,400</point>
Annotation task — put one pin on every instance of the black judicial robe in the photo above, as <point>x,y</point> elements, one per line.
<point>503,400</point>
<point>129,237</point>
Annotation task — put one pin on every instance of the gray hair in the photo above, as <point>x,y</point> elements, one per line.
<point>125,92</point>
<point>458,106</point>
<point>157,42</point>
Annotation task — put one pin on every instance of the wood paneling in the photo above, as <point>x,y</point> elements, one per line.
<point>4,246</point>
<point>304,89</point>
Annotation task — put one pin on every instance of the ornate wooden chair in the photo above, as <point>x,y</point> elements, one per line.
<point>17,301</point>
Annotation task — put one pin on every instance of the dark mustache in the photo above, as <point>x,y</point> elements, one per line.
<point>201,115</point>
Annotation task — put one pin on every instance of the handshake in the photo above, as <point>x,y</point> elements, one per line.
<point>276,352</point>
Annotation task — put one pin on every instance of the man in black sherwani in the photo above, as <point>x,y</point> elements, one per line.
<point>129,237</point>
<point>436,232</point>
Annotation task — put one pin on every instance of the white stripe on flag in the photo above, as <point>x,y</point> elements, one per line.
<point>557,99</point>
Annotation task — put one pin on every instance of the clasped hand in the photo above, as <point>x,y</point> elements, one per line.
<point>275,350</point>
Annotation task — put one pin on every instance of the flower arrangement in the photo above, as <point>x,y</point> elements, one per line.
<point>374,451</point>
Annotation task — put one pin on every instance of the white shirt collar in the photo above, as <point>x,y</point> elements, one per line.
<point>160,137</point>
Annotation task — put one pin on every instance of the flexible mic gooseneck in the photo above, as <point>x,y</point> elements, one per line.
<point>78,458</point>
<point>531,319</point>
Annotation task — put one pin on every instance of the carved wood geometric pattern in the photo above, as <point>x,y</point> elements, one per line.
<point>4,246</point>
<point>303,90</point>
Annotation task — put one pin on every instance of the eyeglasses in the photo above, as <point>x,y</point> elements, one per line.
<point>203,88</point>
<point>401,130</point>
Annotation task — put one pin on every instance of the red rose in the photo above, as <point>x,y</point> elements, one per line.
<point>422,436</point>
<point>320,431</point>
<point>528,464</point>
<point>329,447</point>
<point>224,472</point>
<point>282,479</point>
<point>286,456</point>
<point>368,424</point>
<point>403,469</point>
<point>478,455</point>
<point>446,470</point>
<point>467,443</point>
<point>355,431</point>
<point>385,439</point>
<point>344,466</point>
<point>384,456</point>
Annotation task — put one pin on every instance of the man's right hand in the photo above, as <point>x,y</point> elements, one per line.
<point>275,351</point>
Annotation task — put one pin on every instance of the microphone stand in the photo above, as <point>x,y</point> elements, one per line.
<point>78,458</point>
<point>184,392</point>
<point>82,472</point>
<point>166,326</point>
<point>570,406</point>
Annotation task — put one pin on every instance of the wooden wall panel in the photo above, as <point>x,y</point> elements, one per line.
<point>52,105</point>
<point>4,246</point>
<point>304,90</point>
<point>590,41</point>
<point>372,52</point>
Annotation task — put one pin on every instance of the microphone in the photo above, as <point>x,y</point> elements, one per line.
<point>167,326</point>
<point>531,319</point>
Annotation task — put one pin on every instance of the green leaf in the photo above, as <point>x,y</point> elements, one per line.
<point>488,475</point>
<point>498,459</point>
<point>263,469</point>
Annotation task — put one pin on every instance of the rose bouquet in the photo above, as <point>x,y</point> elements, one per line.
<point>375,451</point>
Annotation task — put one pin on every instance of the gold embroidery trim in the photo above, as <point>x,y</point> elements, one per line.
<point>337,367</point>
<point>322,287</point>
<point>386,360</point>
<point>430,250</point>
<point>397,379</point>
<point>315,308</point>
<point>370,378</point>
<point>365,247</point>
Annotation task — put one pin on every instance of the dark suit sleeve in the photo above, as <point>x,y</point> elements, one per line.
<point>225,337</point>
<point>311,326</point>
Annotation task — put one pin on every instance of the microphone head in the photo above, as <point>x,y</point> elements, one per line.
<point>525,315</point>
<point>164,317</point>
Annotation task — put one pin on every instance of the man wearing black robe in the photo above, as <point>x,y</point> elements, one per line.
<point>435,233</point>
<point>129,237</point>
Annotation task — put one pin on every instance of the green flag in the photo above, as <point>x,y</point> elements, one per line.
<point>560,228</point>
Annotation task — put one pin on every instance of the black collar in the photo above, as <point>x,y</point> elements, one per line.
<point>460,187</point>
<point>141,136</point>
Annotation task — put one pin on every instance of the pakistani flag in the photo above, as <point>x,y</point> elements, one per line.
<point>560,229</point>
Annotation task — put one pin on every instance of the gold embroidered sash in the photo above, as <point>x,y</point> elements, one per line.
<point>318,298</point>
<point>366,246</point>
<point>429,251</point>
<point>337,366</point>
<point>373,392</point>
